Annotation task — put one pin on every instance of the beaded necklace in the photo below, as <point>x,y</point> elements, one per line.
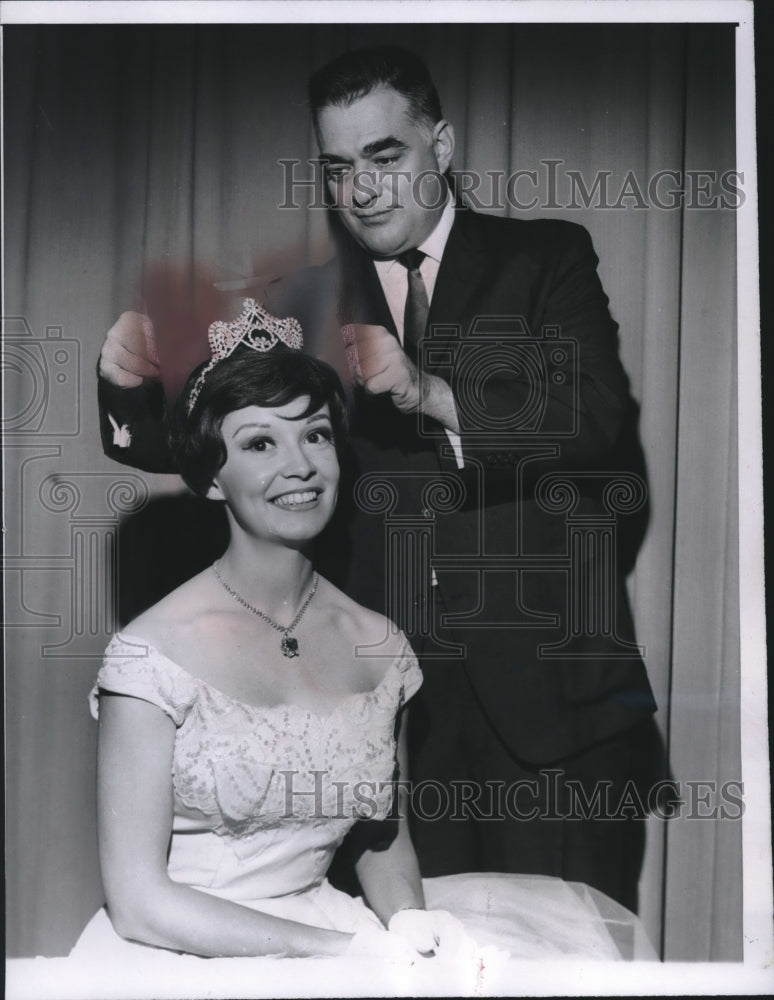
<point>289,644</point>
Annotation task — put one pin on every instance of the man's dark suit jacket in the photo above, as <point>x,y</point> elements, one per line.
<point>519,327</point>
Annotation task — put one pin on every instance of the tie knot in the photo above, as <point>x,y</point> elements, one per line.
<point>411,259</point>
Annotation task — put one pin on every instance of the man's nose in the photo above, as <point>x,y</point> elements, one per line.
<point>365,188</point>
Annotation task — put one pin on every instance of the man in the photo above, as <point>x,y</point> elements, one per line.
<point>486,390</point>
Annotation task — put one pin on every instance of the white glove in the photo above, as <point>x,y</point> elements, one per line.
<point>374,940</point>
<point>428,931</point>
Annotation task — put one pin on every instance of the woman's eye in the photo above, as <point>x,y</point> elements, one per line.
<point>258,444</point>
<point>320,437</point>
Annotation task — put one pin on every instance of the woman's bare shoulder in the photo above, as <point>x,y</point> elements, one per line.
<point>362,625</point>
<point>174,614</point>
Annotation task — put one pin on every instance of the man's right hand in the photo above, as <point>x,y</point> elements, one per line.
<point>129,353</point>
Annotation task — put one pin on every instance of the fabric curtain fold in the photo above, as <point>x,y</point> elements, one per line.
<point>169,168</point>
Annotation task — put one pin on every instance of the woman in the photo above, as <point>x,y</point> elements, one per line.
<point>240,733</point>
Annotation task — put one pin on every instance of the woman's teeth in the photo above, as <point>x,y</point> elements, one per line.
<point>294,499</point>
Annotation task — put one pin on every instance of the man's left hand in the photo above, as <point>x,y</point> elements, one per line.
<point>384,367</point>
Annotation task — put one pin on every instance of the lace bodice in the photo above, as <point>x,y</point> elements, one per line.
<point>263,796</point>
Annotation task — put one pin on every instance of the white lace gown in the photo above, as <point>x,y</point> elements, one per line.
<point>264,796</point>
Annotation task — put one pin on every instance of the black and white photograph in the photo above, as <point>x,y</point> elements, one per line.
<point>383,512</point>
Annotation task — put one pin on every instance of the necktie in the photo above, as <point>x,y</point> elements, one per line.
<point>417,305</point>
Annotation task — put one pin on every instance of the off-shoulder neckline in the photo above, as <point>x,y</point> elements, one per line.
<point>130,639</point>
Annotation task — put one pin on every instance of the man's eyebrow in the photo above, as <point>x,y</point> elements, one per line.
<point>327,158</point>
<point>378,145</point>
<point>370,149</point>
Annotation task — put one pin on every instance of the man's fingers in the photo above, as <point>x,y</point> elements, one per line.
<point>373,367</point>
<point>386,358</point>
<point>134,332</point>
<point>137,364</point>
<point>380,357</point>
<point>379,382</point>
<point>118,376</point>
<point>370,339</point>
<point>129,352</point>
<point>383,366</point>
<point>366,333</point>
<point>115,359</point>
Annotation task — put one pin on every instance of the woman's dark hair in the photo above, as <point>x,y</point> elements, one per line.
<point>352,75</point>
<point>249,378</point>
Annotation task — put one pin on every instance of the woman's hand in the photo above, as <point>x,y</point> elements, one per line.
<point>413,933</point>
<point>427,931</point>
<point>377,942</point>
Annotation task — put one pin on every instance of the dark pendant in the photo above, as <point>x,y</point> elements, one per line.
<point>289,646</point>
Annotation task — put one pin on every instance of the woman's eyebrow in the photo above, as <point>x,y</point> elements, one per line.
<point>314,418</point>
<point>263,427</point>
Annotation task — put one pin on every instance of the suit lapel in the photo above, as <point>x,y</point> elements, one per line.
<point>463,266</point>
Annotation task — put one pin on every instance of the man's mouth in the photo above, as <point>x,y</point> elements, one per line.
<point>294,501</point>
<point>374,218</point>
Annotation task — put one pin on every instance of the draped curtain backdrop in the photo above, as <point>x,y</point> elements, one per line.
<point>154,151</point>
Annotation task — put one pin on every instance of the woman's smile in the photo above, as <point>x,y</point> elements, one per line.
<point>298,501</point>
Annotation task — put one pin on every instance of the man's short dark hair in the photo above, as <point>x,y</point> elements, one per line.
<point>352,75</point>
<point>249,378</point>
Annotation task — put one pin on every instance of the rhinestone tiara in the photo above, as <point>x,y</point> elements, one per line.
<point>255,328</point>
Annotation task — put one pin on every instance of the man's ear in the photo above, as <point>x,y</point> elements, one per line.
<point>443,144</point>
<point>215,492</point>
